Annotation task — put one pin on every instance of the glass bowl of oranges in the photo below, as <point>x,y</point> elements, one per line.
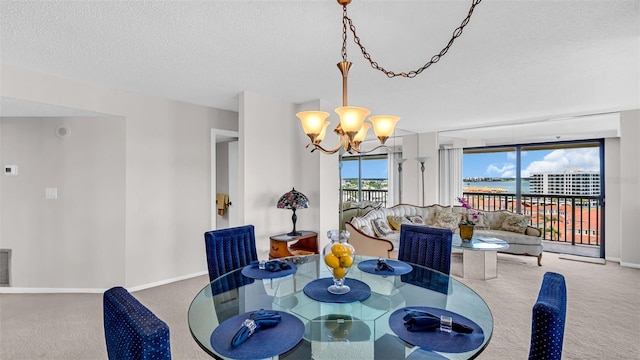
<point>338,256</point>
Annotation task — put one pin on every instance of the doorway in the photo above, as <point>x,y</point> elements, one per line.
<point>224,178</point>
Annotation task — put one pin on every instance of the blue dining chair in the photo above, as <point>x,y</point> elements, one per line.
<point>229,249</point>
<point>131,330</point>
<point>426,246</point>
<point>549,314</point>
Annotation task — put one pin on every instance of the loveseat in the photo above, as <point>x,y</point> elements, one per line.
<point>377,232</point>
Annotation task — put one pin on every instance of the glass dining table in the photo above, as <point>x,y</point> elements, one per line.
<point>368,328</point>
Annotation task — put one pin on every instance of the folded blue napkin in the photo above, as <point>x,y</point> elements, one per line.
<point>382,265</point>
<point>257,320</point>
<point>275,265</point>
<point>416,320</point>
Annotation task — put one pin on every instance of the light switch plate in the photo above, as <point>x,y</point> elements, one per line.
<point>51,193</point>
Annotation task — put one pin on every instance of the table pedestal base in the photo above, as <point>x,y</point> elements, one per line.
<point>479,265</point>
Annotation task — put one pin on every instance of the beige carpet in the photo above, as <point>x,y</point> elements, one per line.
<point>603,317</point>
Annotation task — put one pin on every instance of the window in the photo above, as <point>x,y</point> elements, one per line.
<point>365,178</point>
<point>560,185</point>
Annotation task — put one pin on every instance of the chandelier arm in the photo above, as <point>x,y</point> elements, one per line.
<point>323,150</point>
<point>411,74</point>
<point>358,151</point>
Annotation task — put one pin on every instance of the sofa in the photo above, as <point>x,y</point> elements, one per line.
<point>376,233</point>
<point>352,209</point>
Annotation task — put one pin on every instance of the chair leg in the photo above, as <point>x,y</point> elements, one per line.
<point>540,259</point>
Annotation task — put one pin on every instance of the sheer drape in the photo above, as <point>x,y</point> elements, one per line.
<point>450,175</point>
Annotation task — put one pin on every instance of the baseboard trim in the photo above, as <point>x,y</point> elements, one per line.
<point>167,281</point>
<point>613,259</point>
<point>23,290</point>
<point>630,265</point>
<point>583,259</point>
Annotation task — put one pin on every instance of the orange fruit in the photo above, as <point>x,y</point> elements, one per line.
<point>346,261</point>
<point>339,272</point>
<point>332,261</point>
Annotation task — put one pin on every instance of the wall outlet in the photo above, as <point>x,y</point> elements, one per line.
<point>11,170</point>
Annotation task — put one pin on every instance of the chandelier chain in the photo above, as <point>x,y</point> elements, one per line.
<point>391,74</point>
<point>344,32</point>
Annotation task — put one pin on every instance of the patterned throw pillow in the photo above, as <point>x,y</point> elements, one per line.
<point>481,222</point>
<point>447,219</point>
<point>395,221</point>
<point>416,220</point>
<point>515,223</point>
<point>381,227</point>
<point>366,229</point>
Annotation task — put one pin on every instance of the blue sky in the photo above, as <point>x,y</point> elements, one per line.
<point>374,169</point>
<point>539,161</point>
<point>501,164</point>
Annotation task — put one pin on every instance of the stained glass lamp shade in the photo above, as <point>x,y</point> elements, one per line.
<point>293,200</point>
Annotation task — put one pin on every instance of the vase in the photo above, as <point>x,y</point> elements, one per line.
<point>338,256</point>
<point>466,231</point>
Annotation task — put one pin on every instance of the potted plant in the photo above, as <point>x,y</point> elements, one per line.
<point>468,221</point>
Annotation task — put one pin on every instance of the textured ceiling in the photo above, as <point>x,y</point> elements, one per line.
<point>516,61</point>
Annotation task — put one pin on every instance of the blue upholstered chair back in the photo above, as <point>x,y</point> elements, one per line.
<point>229,249</point>
<point>131,330</point>
<point>426,246</point>
<point>549,313</point>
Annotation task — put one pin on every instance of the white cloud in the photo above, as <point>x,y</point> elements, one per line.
<point>585,159</point>
<point>504,170</point>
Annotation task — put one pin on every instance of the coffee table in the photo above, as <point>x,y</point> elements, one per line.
<point>479,256</point>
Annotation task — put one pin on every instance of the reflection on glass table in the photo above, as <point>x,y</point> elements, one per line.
<point>353,330</point>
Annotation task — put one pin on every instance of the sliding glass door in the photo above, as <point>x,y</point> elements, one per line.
<point>559,185</point>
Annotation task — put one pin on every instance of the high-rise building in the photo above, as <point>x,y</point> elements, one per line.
<point>569,182</point>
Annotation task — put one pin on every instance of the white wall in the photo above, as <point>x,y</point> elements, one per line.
<point>629,188</point>
<point>68,241</point>
<point>612,188</point>
<point>167,180</point>
<point>274,160</point>
<point>319,172</point>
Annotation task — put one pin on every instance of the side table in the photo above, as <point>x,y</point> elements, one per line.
<point>479,256</point>
<point>283,245</point>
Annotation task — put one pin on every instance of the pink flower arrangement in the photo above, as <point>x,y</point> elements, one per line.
<point>471,218</point>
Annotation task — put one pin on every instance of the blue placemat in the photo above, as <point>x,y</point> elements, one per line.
<point>399,267</point>
<point>263,343</point>
<point>255,273</point>
<point>437,340</point>
<point>317,290</point>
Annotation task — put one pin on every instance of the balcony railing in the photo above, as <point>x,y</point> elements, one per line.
<point>562,218</point>
<point>367,195</point>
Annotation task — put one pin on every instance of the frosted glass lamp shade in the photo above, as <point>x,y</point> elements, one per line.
<point>362,134</point>
<point>323,132</point>
<point>352,118</point>
<point>313,122</point>
<point>383,126</point>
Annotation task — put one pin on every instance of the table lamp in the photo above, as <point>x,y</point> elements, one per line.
<point>293,200</point>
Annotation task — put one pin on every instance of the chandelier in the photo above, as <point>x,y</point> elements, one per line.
<point>352,129</point>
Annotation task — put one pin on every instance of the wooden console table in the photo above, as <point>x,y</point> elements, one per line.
<point>283,245</point>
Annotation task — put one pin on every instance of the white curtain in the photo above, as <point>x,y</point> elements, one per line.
<point>450,175</point>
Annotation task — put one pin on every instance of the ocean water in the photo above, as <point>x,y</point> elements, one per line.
<point>509,186</point>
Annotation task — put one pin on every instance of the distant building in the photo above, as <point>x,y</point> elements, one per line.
<point>570,182</point>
